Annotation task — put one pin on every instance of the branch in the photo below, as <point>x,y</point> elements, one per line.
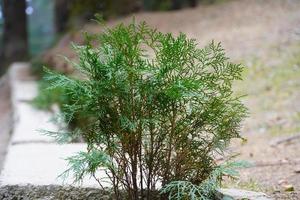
<point>285,140</point>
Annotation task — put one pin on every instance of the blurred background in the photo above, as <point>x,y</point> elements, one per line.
<point>263,35</point>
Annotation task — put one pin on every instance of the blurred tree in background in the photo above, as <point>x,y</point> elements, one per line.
<point>1,41</point>
<point>61,9</point>
<point>77,12</point>
<point>25,30</point>
<point>40,25</point>
<point>15,40</point>
<point>27,27</point>
<point>1,24</point>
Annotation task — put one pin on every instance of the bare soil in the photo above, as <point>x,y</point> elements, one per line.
<point>265,36</point>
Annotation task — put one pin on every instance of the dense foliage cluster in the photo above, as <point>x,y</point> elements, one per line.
<point>157,111</point>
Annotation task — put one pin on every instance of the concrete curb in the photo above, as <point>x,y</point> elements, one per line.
<point>32,158</point>
<point>237,194</point>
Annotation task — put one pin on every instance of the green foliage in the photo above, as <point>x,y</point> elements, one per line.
<point>47,97</point>
<point>156,108</point>
<point>58,95</point>
<point>179,190</point>
<point>85,163</point>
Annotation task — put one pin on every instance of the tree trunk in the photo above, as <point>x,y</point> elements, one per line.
<point>15,40</point>
<point>193,3</point>
<point>176,4</point>
<point>62,11</point>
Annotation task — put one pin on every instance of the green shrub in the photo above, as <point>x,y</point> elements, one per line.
<point>159,110</point>
<point>49,96</point>
<point>46,98</point>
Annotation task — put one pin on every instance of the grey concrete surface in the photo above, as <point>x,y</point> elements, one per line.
<point>238,194</point>
<point>41,164</point>
<point>33,158</point>
<point>29,124</point>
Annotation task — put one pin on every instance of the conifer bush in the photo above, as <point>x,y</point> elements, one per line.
<point>157,110</point>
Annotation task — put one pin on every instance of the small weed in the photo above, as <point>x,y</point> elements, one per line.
<point>250,184</point>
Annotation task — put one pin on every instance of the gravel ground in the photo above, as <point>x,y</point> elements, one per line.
<point>51,192</point>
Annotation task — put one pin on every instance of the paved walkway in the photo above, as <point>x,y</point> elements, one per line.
<point>33,158</point>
